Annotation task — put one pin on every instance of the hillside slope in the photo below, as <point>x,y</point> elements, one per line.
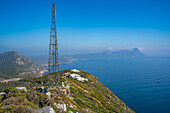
<point>13,64</point>
<point>93,96</point>
<point>85,97</point>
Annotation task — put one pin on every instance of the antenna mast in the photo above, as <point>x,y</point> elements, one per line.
<point>53,62</point>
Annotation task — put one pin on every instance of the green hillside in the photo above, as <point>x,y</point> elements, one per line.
<point>89,96</point>
<point>13,64</point>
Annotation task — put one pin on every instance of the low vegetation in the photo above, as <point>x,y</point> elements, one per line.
<point>89,96</point>
<point>17,100</point>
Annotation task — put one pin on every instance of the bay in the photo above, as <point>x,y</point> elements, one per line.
<point>133,80</point>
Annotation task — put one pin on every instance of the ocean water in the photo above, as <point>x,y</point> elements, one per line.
<point>133,80</point>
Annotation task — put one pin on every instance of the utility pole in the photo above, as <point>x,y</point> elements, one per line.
<point>53,62</point>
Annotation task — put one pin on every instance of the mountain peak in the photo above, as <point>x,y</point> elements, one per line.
<point>133,52</point>
<point>13,64</point>
<point>135,49</point>
<point>11,53</point>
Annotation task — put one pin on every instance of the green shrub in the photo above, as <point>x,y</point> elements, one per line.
<point>12,90</point>
<point>9,108</point>
<point>28,103</point>
<point>71,109</point>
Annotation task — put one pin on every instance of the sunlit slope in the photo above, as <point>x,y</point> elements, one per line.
<point>13,64</point>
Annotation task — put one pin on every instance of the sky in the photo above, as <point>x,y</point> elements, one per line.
<point>86,26</point>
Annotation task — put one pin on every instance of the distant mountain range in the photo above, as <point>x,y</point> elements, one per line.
<point>13,64</point>
<point>124,53</point>
<point>134,52</point>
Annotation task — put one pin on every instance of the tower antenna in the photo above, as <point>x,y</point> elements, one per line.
<point>53,62</point>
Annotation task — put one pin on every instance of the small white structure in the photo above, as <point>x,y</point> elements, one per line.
<point>81,79</point>
<point>47,109</point>
<point>61,106</point>
<point>48,94</point>
<point>22,88</point>
<point>78,77</point>
<point>74,76</point>
<point>62,84</point>
<point>2,93</point>
<point>75,70</point>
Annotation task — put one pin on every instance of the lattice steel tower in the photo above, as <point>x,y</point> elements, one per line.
<point>53,63</point>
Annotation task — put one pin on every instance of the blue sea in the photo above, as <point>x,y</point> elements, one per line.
<point>133,80</point>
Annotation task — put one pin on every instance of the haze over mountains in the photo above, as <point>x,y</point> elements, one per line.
<point>123,53</point>
<point>134,52</point>
<point>13,64</point>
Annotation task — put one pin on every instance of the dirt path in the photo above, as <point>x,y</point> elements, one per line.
<point>87,92</point>
<point>80,87</point>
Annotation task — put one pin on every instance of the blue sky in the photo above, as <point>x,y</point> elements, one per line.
<point>86,26</point>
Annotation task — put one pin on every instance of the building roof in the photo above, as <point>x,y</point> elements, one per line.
<point>78,77</point>
<point>74,75</point>
<point>75,70</point>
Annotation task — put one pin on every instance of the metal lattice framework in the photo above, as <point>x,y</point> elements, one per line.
<point>53,63</point>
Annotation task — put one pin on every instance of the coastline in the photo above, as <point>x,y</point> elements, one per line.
<point>63,62</point>
<point>12,79</point>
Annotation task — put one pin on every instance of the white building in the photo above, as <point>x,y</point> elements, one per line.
<point>75,70</point>
<point>81,79</point>
<point>22,88</point>
<point>78,77</point>
<point>74,76</point>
